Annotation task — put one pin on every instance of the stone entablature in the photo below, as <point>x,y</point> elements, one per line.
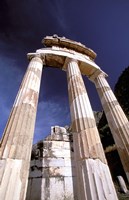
<point>59,49</point>
<point>55,40</point>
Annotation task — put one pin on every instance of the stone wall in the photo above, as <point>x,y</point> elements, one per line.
<point>52,169</point>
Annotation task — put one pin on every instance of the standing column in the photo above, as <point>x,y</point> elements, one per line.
<point>116,118</point>
<point>17,140</point>
<point>93,176</point>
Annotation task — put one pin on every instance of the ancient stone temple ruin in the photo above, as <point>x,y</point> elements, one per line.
<point>52,168</point>
<point>92,176</point>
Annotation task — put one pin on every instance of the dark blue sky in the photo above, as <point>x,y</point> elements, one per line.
<point>99,24</point>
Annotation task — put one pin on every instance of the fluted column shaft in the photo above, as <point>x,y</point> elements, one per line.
<point>93,176</point>
<point>116,118</point>
<point>17,139</point>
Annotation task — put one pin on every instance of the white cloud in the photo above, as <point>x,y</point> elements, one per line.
<point>10,78</point>
<point>59,13</point>
<point>49,114</point>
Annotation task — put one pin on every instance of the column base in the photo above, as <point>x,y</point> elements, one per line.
<point>95,181</point>
<point>11,179</point>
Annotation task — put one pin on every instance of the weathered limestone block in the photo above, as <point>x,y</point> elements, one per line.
<point>98,182</point>
<point>11,182</point>
<point>52,172</point>
<point>55,133</point>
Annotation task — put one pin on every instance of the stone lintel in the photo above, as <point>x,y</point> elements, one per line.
<point>56,58</point>
<point>55,40</point>
<point>96,74</point>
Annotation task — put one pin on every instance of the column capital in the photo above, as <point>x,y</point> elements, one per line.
<point>67,61</point>
<point>30,56</point>
<point>97,73</point>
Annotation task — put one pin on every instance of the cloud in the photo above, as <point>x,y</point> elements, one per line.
<point>10,80</point>
<point>23,25</point>
<point>58,13</point>
<point>28,21</point>
<point>53,111</point>
<point>50,114</point>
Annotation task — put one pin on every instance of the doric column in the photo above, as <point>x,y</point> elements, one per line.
<point>93,176</point>
<point>116,118</point>
<point>17,140</point>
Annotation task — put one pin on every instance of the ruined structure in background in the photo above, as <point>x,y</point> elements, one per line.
<point>93,176</point>
<point>52,170</point>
